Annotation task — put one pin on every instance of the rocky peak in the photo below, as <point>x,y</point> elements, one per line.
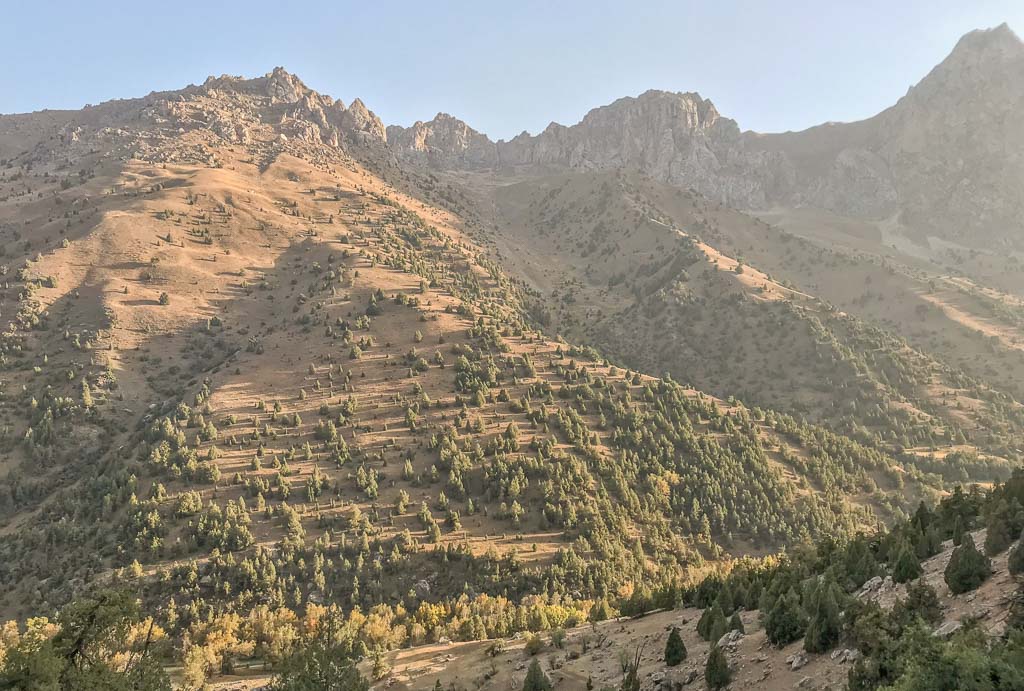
<point>997,43</point>
<point>686,111</point>
<point>980,60</point>
<point>299,110</point>
<point>654,130</point>
<point>359,118</point>
<point>284,87</point>
<point>444,141</point>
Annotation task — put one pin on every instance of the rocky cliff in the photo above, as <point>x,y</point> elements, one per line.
<point>945,160</point>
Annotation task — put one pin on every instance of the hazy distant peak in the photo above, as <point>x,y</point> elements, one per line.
<point>999,44</point>
<point>1000,36</point>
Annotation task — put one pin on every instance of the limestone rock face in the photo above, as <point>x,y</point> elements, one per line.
<point>444,142</point>
<point>679,138</point>
<point>359,118</point>
<point>946,160</point>
<point>283,87</point>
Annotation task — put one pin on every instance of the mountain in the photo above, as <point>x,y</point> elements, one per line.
<point>261,356</point>
<point>940,162</point>
<point>674,137</point>
<point>244,366</point>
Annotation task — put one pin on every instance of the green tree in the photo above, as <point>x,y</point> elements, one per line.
<point>535,678</point>
<point>998,534</point>
<point>921,602</point>
<point>716,671</point>
<point>907,566</point>
<point>785,622</point>
<point>1015,562</point>
<point>823,629</point>
<point>712,621</point>
<point>958,531</point>
<point>87,401</point>
<point>967,568</point>
<point>675,649</point>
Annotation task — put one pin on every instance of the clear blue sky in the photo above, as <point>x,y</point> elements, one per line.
<point>501,66</point>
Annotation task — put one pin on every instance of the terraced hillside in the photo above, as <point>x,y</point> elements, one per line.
<point>668,282</point>
<point>254,368</point>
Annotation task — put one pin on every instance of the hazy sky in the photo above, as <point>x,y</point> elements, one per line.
<point>501,66</point>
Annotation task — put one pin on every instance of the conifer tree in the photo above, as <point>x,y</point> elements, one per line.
<point>823,628</point>
<point>785,622</point>
<point>997,535</point>
<point>1015,562</point>
<point>958,531</point>
<point>675,649</point>
<point>536,680</point>
<point>907,567</point>
<point>716,672</point>
<point>967,568</point>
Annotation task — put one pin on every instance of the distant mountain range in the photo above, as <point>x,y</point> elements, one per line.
<point>944,161</point>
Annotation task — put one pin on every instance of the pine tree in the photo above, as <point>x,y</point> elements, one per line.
<point>997,536</point>
<point>823,628</point>
<point>785,622</point>
<point>967,568</point>
<point>87,401</point>
<point>711,620</point>
<point>716,672</point>
<point>736,624</point>
<point>922,601</point>
<point>907,567</point>
<point>1015,562</point>
<point>535,678</point>
<point>675,649</point>
<point>860,562</point>
<point>725,599</point>
<point>719,627</point>
<point>958,530</point>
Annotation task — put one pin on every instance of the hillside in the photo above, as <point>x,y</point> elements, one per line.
<point>266,363</point>
<point>593,651</point>
<point>669,282</point>
<point>251,372</point>
<point>893,606</point>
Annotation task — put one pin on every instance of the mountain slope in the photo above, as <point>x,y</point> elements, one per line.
<point>650,275</point>
<point>233,347</point>
<point>255,362</point>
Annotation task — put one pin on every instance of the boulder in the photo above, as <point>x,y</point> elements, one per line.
<point>729,640</point>
<point>947,629</point>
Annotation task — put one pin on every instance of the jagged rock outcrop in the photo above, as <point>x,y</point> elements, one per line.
<point>945,160</point>
<point>268,114</point>
<point>676,137</point>
<point>445,142</point>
